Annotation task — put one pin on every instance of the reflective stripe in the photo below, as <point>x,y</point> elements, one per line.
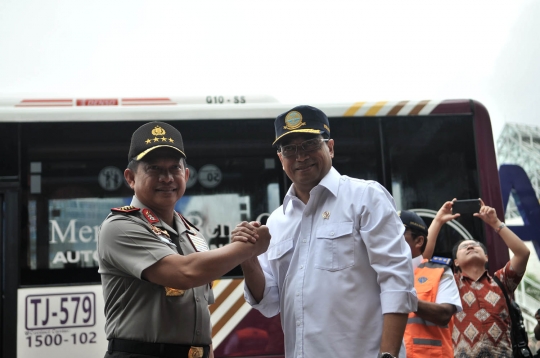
<point>419,320</point>
<point>427,342</point>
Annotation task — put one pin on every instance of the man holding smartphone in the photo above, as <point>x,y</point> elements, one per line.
<point>483,328</point>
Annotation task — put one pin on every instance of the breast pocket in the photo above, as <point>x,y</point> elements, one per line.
<point>279,258</point>
<point>278,250</point>
<point>334,246</point>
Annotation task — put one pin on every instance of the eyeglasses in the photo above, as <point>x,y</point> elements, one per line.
<point>470,244</point>
<point>307,146</point>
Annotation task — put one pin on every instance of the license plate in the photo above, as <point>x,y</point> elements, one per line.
<point>66,310</point>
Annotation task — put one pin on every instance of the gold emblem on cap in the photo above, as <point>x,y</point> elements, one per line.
<point>326,215</point>
<point>158,131</point>
<point>159,135</point>
<point>293,120</point>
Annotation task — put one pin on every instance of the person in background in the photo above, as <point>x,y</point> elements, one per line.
<point>338,269</point>
<point>155,266</point>
<point>429,329</point>
<point>483,328</point>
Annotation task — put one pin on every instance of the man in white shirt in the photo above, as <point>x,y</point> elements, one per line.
<point>338,268</point>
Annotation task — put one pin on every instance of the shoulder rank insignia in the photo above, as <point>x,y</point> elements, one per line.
<point>150,216</point>
<point>126,209</point>
<point>441,260</point>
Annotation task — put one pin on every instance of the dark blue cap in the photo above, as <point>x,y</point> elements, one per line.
<point>412,221</point>
<point>302,119</point>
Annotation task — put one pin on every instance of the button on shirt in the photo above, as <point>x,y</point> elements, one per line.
<point>334,267</point>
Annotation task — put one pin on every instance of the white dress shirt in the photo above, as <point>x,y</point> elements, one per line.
<point>334,267</point>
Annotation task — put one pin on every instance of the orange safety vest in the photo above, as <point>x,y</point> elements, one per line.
<point>423,338</point>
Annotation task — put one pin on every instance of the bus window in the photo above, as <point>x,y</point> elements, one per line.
<point>9,140</point>
<point>75,175</point>
<point>357,147</point>
<point>430,161</point>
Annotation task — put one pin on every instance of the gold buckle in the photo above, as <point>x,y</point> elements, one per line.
<point>196,352</point>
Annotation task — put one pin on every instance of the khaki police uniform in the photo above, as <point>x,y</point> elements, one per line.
<point>130,241</point>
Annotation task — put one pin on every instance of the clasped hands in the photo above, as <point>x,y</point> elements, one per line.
<point>252,233</point>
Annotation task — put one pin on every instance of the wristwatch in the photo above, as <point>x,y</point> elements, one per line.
<point>385,355</point>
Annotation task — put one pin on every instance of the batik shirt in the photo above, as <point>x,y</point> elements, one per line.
<point>482,329</point>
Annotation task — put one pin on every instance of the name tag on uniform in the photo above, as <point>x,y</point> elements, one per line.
<point>199,243</point>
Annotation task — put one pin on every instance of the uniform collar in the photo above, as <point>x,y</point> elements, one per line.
<point>182,226</point>
<point>179,224</point>
<point>330,182</point>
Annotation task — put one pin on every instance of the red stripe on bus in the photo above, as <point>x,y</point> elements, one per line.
<point>45,100</point>
<point>43,105</point>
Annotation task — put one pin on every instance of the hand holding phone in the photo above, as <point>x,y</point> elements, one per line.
<point>468,206</point>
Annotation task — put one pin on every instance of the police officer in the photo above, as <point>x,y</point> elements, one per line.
<point>155,266</point>
<point>429,329</point>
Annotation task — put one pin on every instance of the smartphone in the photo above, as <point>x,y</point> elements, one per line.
<point>468,206</point>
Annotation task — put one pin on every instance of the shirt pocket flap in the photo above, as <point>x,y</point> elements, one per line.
<point>334,231</point>
<point>279,249</point>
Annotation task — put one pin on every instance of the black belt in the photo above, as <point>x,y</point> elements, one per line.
<point>158,349</point>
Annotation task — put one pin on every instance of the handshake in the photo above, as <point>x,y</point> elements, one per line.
<point>252,233</point>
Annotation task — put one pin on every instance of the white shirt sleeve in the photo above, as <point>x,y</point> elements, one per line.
<point>448,291</point>
<point>389,254</point>
<point>269,305</point>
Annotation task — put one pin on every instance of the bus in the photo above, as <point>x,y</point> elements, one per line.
<point>62,171</point>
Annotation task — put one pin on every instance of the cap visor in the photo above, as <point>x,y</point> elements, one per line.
<point>310,131</point>
<point>141,155</point>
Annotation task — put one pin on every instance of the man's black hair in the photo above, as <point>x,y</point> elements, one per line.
<point>456,247</point>
<point>415,234</point>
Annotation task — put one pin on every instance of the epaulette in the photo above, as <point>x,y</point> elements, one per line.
<point>128,209</point>
<point>441,260</point>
